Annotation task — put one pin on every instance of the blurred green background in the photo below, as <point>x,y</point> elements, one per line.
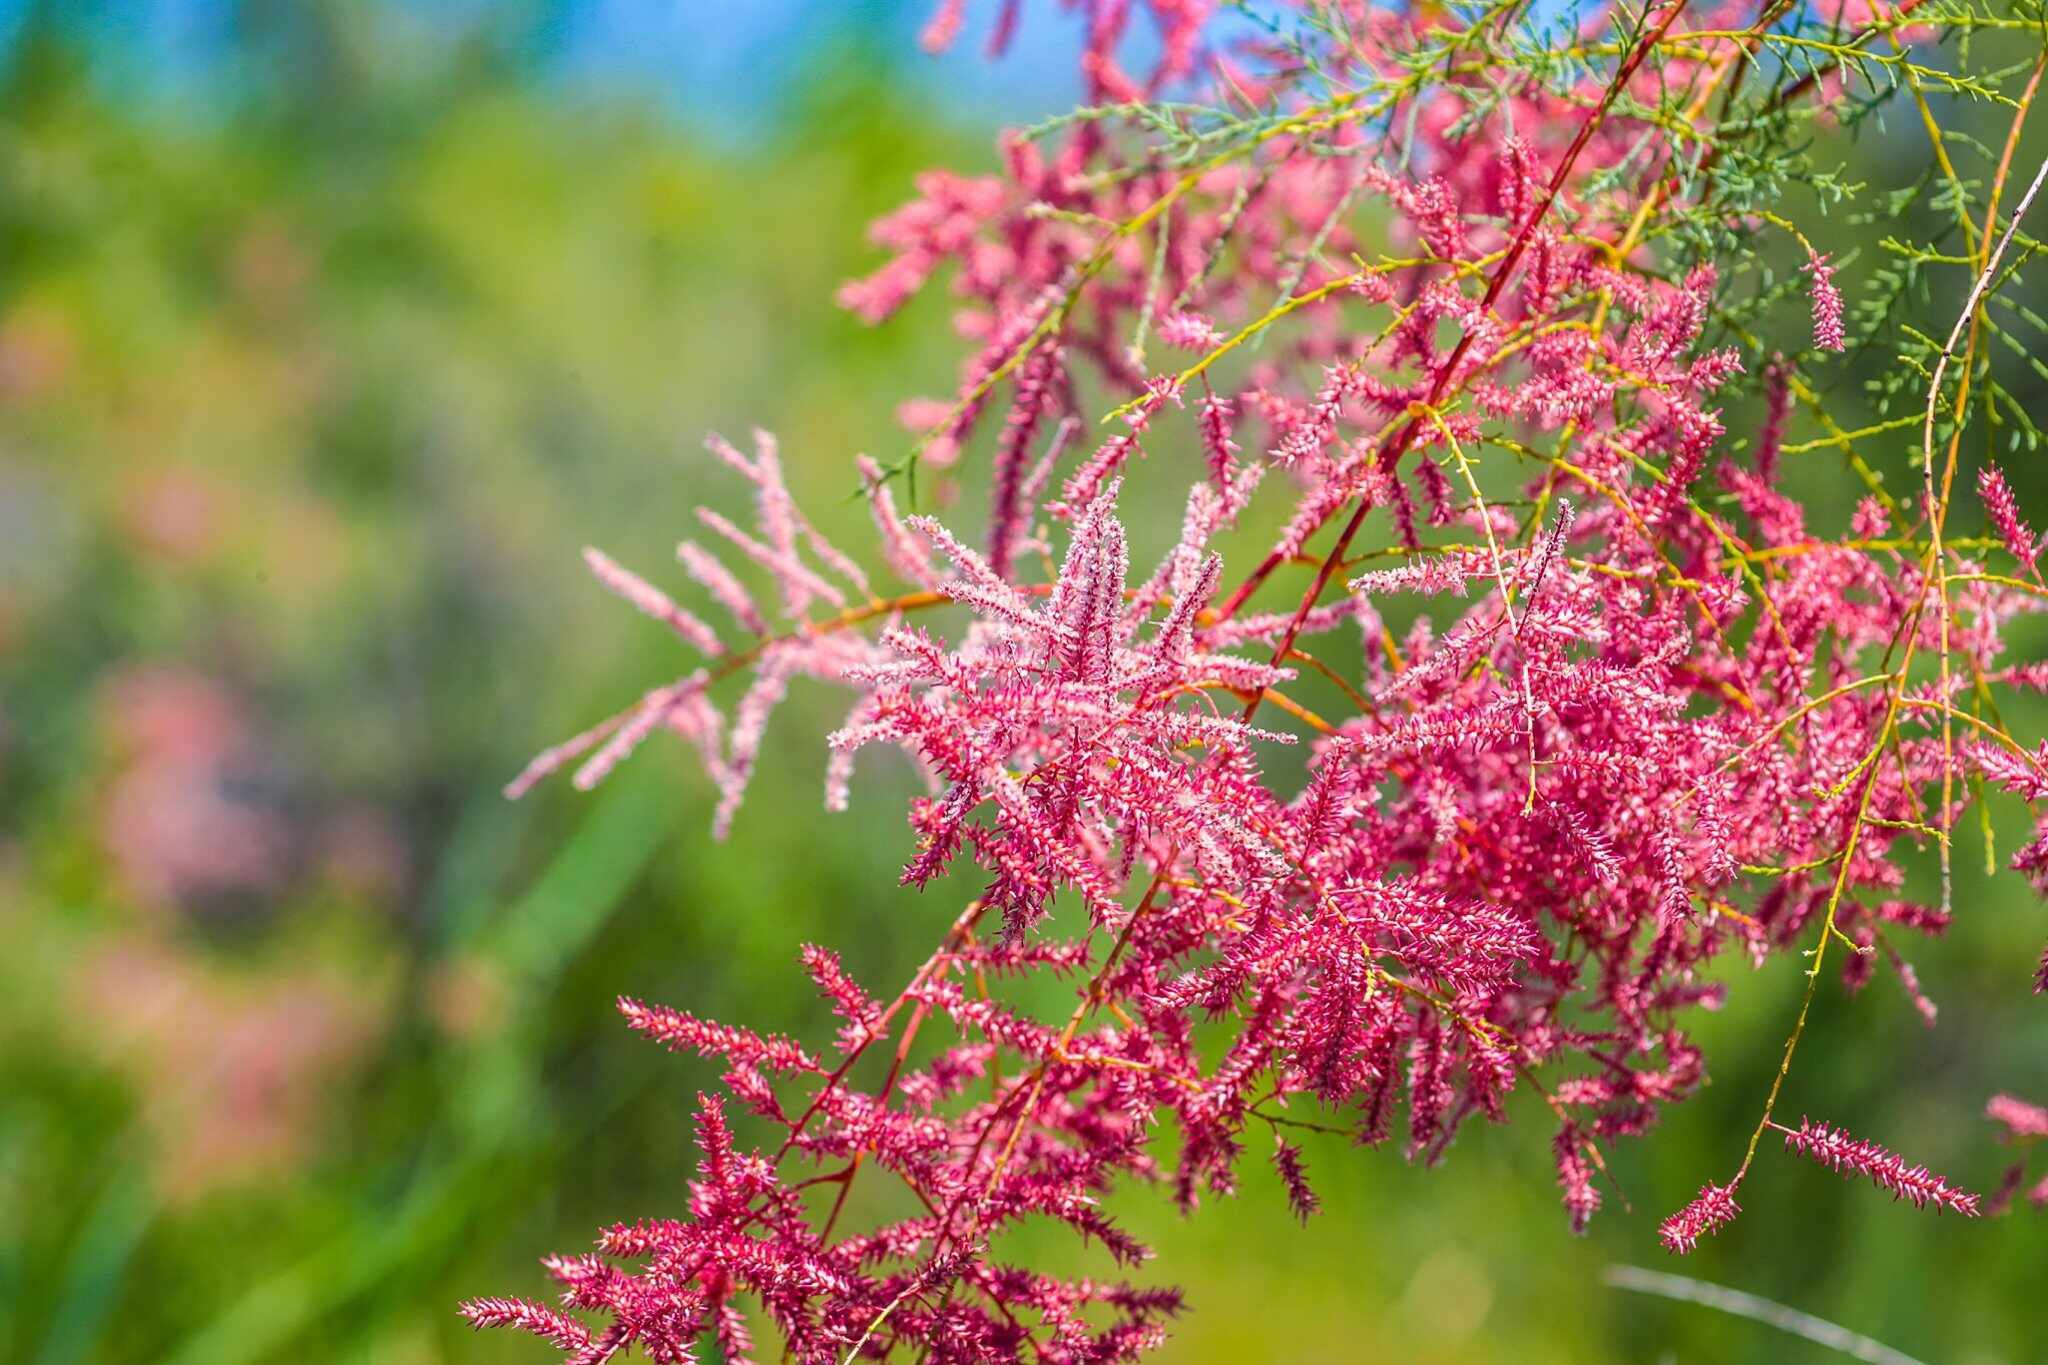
<point>328,334</point>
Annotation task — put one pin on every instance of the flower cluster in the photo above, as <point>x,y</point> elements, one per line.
<point>1586,702</point>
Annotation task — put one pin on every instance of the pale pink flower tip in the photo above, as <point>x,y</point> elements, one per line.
<point>653,601</point>
<point>2021,1119</point>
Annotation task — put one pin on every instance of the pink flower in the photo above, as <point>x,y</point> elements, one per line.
<point>2004,511</point>
<point>2021,1119</point>
<point>654,602</point>
<point>1836,1150</point>
<point>557,1329</point>
<point>1189,331</point>
<point>1713,1210</point>
<point>1827,305</point>
<point>943,27</point>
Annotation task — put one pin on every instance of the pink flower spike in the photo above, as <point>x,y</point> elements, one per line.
<point>1827,305</point>
<point>1301,1198</point>
<point>1837,1151</point>
<point>905,553</point>
<point>654,602</point>
<point>1713,1210</point>
<point>718,580</point>
<point>557,1329</point>
<point>2004,511</point>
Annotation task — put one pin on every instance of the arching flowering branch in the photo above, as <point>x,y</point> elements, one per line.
<point>1586,700</point>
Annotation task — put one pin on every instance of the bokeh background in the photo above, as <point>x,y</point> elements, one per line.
<point>329,333</point>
